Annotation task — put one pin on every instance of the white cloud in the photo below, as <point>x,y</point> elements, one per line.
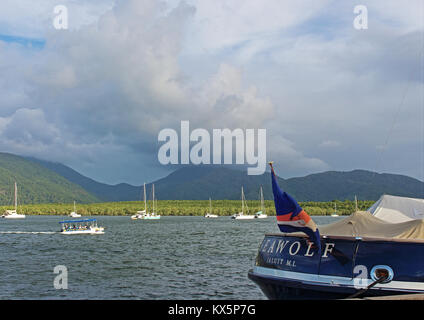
<point>220,24</point>
<point>116,79</point>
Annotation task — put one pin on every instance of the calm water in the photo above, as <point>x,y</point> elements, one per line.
<point>172,258</point>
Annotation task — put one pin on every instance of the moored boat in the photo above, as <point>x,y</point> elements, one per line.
<point>141,214</point>
<point>144,215</point>
<point>241,215</point>
<point>209,214</point>
<point>335,211</point>
<point>358,256</point>
<point>13,214</point>
<point>261,214</point>
<point>356,251</point>
<point>74,213</point>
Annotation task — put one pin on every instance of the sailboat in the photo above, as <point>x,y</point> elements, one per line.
<point>209,214</point>
<point>141,214</point>
<point>13,214</point>
<point>261,214</point>
<point>335,210</point>
<point>241,215</point>
<point>74,213</point>
<point>152,215</point>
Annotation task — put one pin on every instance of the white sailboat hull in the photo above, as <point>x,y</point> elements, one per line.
<point>209,215</point>
<point>260,215</point>
<point>74,215</point>
<point>13,216</point>
<point>239,216</point>
<point>151,218</point>
<point>145,217</point>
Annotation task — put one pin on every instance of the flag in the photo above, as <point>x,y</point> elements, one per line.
<point>290,216</point>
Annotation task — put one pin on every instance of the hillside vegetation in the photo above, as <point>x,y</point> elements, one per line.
<point>36,184</point>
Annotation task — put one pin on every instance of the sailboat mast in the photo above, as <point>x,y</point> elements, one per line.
<point>16,197</point>
<point>210,205</point>
<point>153,197</point>
<point>145,203</point>
<point>242,201</point>
<point>74,207</point>
<point>356,204</point>
<point>262,201</point>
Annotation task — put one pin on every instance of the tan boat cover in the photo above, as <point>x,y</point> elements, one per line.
<point>364,224</point>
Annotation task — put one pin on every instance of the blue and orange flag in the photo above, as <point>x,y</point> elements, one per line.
<point>290,216</point>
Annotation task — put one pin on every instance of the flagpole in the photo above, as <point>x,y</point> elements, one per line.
<point>272,168</point>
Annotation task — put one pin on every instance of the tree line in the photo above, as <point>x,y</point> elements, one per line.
<point>185,208</point>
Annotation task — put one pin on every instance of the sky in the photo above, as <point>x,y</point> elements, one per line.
<point>96,95</point>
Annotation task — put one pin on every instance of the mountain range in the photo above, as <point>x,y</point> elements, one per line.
<point>42,181</point>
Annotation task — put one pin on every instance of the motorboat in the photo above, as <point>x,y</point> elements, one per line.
<point>74,213</point>
<point>241,215</point>
<point>261,214</point>
<point>86,226</point>
<point>13,214</point>
<point>209,214</point>
<point>377,252</point>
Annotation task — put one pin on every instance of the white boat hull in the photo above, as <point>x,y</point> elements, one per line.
<point>74,215</point>
<point>151,218</point>
<point>98,230</point>
<point>145,217</point>
<point>13,216</point>
<point>242,217</point>
<point>211,215</point>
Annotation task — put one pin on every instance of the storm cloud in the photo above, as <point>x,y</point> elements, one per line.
<point>331,97</point>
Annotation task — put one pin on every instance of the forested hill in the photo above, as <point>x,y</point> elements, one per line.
<point>36,184</point>
<point>202,182</point>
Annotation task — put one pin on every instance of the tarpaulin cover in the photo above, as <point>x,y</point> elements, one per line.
<point>364,224</point>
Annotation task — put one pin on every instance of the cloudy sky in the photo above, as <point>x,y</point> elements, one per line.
<point>96,95</point>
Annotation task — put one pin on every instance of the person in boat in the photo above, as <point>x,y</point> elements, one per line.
<point>290,216</point>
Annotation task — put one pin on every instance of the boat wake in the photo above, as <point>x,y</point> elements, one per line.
<point>28,232</point>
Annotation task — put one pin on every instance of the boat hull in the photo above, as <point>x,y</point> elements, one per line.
<point>82,232</point>
<point>242,217</point>
<point>288,267</point>
<point>144,217</point>
<point>18,216</point>
<point>151,218</point>
<point>211,216</point>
